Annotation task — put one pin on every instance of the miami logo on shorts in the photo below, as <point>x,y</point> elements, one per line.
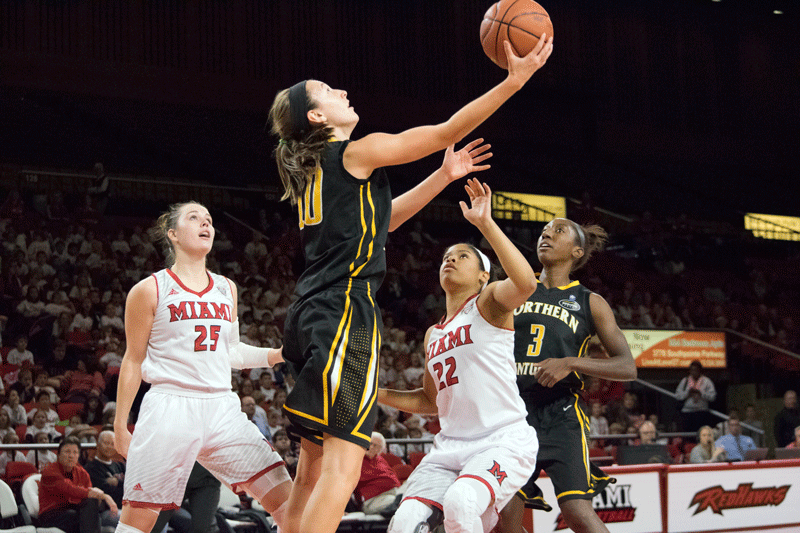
<point>498,474</point>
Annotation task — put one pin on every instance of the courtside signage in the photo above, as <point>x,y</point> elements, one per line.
<point>659,348</point>
<point>631,505</point>
<point>732,499</point>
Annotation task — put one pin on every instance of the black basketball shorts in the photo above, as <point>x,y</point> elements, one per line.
<point>563,428</point>
<point>332,343</point>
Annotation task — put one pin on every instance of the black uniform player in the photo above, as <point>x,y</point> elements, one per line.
<point>332,336</point>
<point>345,263</point>
<point>552,332</point>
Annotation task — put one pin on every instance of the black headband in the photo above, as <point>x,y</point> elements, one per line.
<point>298,105</point>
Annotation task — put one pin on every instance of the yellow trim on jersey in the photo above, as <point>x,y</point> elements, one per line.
<point>569,285</point>
<point>584,345</point>
<point>571,492</point>
<point>363,417</point>
<point>373,389</point>
<point>331,354</point>
<point>368,193</point>
<point>372,226</point>
<point>375,335</point>
<point>581,353</point>
<point>584,425</point>
<point>529,498</point>
<point>340,354</point>
<point>304,415</point>
<point>353,270</point>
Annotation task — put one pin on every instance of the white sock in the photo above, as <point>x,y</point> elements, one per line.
<point>125,528</point>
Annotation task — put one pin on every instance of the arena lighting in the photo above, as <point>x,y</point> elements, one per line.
<point>777,12</point>
<point>774,227</point>
<point>528,207</point>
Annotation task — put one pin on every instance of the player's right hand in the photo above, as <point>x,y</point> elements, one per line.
<point>520,69</point>
<point>122,441</point>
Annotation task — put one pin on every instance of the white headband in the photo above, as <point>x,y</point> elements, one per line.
<point>580,233</point>
<point>487,266</point>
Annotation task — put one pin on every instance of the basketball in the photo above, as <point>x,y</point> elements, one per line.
<point>520,22</point>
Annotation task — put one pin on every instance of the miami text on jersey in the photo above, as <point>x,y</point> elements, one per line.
<point>199,311</point>
<point>458,337</point>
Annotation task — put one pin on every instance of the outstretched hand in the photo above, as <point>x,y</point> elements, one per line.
<point>480,197</point>
<point>458,164</point>
<point>521,69</point>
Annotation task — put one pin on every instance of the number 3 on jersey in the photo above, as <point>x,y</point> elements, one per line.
<point>449,379</point>
<point>309,205</point>
<point>537,331</point>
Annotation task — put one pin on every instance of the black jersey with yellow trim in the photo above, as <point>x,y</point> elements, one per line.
<point>343,222</point>
<point>554,323</point>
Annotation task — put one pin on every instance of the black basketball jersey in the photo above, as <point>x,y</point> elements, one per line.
<point>344,222</point>
<point>553,323</point>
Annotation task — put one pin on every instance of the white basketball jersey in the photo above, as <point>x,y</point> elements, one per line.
<point>188,349</point>
<point>472,363</point>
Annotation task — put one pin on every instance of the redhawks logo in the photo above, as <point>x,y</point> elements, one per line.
<point>718,499</point>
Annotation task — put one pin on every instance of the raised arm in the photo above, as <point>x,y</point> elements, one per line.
<point>140,309</point>
<point>381,149</point>
<point>455,165</point>
<point>422,401</point>
<point>620,366</point>
<point>499,299</point>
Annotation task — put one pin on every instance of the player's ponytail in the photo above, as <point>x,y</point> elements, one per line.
<point>298,152</point>
<point>592,239</point>
<point>167,221</point>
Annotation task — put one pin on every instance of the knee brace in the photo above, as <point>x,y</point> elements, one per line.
<point>464,503</point>
<point>413,516</point>
<point>260,486</point>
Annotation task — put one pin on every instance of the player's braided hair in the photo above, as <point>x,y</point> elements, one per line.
<point>297,156</point>
<point>167,221</point>
<point>594,238</point>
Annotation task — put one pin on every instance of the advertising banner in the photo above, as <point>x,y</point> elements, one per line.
<point>742,497</point>
<point>631,505</point>
<point>654,348</point>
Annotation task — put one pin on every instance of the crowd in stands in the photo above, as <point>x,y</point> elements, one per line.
<point>66,272</point>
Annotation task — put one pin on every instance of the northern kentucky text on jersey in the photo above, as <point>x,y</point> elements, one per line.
<point>459,337</point>
<point>199,311</point>
<point>549,310</point>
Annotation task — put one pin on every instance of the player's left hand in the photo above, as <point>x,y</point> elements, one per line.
<point>275,356</point>
<point>480,197</point>
<point>456,165</point>
<point>551,371</point>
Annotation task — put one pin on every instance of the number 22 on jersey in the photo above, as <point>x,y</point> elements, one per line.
<point>535,348</point>
<point>309,205</point>
<point>449,378</point>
